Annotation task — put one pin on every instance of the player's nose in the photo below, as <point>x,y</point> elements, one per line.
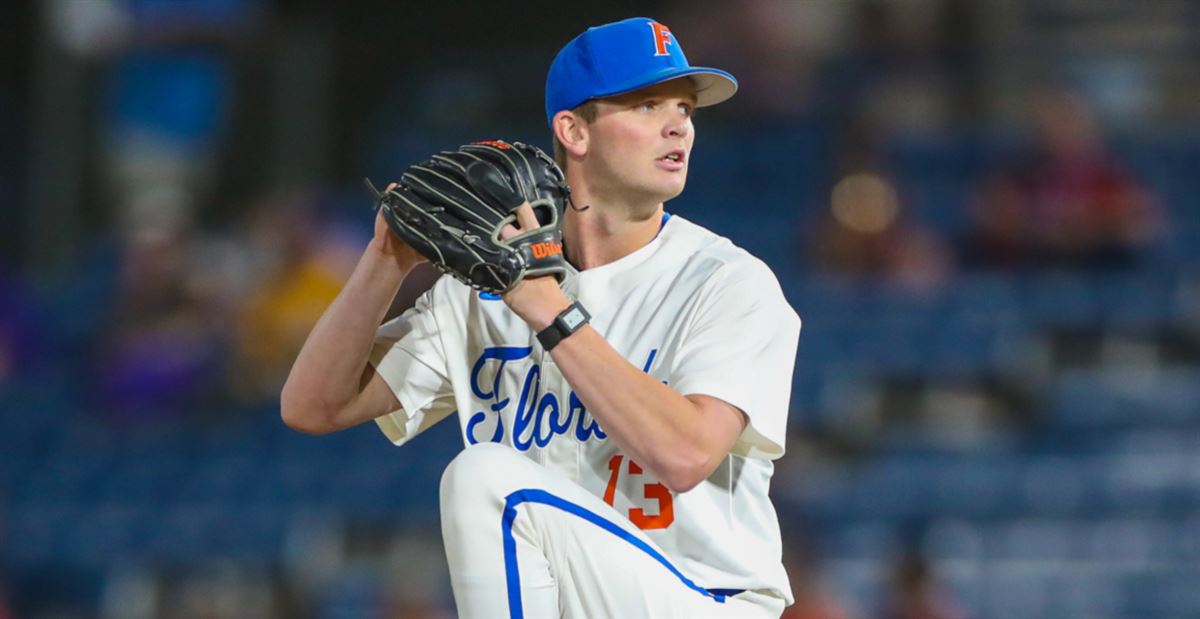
<point>677,127</point>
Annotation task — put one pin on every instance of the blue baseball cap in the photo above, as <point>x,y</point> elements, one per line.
<point>622,57</point>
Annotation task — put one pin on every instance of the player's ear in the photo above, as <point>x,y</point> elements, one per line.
<point>572,132</point>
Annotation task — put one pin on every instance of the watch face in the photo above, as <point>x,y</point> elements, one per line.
<point>573,319</point>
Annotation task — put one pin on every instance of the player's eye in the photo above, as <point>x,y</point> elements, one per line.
<point>648,106</point>
<point>686,110</point>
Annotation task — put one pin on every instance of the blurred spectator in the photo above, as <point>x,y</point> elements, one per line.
<point>416,585</point>
<point>777,48</point>
<point>866,233</point>
<point>300,261</point>
<point>162,348</point>
<point>1065,203</point>
<point>814,600</point>
<point>220,589</point>
<point>169,88</point>
<point>910,70</point>
<point>915,594</point>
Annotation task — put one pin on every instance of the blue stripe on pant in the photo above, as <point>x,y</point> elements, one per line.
<point>530,495</point>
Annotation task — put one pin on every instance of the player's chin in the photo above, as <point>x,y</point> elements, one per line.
<point>672,185</point>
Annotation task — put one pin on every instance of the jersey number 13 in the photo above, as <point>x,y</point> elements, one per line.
<point>655,491</point>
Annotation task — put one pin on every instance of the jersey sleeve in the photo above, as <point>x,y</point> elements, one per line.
<point>741,348</point>
<point>408,355</point>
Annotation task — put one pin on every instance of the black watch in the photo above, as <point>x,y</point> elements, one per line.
<point>567,322</point>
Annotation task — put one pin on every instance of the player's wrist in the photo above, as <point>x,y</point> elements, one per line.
<point>546,315</point>
<point>386,268</point>
<point>564,325</point>
<point>537,301</point>
<point>395,253</point>
<point>543,316</point>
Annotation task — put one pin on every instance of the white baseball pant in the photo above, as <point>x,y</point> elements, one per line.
<point>523,542</point>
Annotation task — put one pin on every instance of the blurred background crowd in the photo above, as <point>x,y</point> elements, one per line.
<point>984,211</point>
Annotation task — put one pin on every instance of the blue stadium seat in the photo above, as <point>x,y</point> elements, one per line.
<point>990,296</point>
<point>1125,398</point>
<point>1061,299</point>
<point>1139,302</point>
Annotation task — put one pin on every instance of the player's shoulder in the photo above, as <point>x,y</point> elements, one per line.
<point>719,257</point>
<point>735,278</point>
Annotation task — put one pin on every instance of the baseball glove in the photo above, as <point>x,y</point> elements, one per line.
<point>452,208</point>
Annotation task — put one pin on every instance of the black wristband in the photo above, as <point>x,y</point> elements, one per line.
<point>567,322</point>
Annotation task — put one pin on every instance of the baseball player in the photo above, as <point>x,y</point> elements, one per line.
<point>620,424</point>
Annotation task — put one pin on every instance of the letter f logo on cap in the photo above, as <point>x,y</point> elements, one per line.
<point>662,37</point>
<point>612,59</point>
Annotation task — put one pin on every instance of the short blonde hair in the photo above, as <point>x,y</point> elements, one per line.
<point>587,111</point>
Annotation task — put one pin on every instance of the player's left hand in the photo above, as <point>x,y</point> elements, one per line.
<point>452,207</point>
<point>537,300</point>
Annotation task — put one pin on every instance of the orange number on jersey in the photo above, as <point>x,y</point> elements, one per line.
<point>666,504</point>
<point>656,491</point>
<point>610,492</point>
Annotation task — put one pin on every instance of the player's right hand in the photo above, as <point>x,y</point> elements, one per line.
<point>538,299</point>
<point>390,245</point>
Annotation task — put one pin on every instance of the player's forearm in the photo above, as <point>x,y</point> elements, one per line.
<point>653,424</point>
<point>327,373</point>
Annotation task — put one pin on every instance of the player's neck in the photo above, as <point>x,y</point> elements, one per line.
<point>595,234</point>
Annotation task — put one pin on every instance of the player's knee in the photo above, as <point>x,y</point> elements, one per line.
<point>476,474</point>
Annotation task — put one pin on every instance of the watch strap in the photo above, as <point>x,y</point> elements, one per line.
<point>567,322</point>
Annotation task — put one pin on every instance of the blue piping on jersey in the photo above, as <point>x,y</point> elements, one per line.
<point>649,361</point>
<point>532,495</point>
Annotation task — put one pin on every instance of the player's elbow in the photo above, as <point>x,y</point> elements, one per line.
<point>680,483</point>
<point>303,421</point>
<point>301,414</point>
<point>686,471</point>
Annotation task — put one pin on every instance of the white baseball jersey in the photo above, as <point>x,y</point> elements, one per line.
<point>690,309</point>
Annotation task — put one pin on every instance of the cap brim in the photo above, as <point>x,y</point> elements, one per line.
<point>712,85</point>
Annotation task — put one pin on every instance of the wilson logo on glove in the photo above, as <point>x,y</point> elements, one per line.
<point>544,250</point>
